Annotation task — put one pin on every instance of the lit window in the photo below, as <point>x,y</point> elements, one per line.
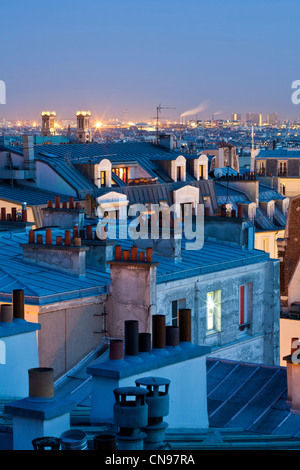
<point>200,171</point>
<point>246,302</point>
<point>103,178</point>
<point>213,310</point>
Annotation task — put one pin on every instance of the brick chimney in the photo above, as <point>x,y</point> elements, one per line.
<point>63,256</point>
<point>64,215</point>
<point>133,290</point>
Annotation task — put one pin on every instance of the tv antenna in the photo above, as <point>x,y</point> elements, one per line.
<point>158,110</point>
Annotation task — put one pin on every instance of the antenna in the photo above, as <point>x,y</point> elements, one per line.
<point>252,137</point>
<point>158,110</point>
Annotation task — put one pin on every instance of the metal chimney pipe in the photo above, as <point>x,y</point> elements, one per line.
<point>67,238</point>
<point>141,256</point>
<point>49,204</point>
<point>159,331</point>
<point>185,330</point>
<point>131,337</point>
<point>149,255</point>
<point>75,231</point>
<point>6,313</point>
<point>41,382</point>
<point>77,241</point>
<point>59,240</point>
<point>39,238</point>
<point>18,303</point>
<point>57,202</point>
<point>24,215</point>
<point>125,255</point>
<point>48,236</point>
<point>133,253</point>
<point>64,205</point>
<point>223,210</point>
<point>116,349</point>
<point>31,236</point>
<point>3,213</point>
<point>118,253</point>
<point>71,203</point>
<point>233,213</point>
<point>13,214</point>
<point>172,336</point>
<point>240,210</point>
<point>145,343</point>
<point>89,232</point>
<point>82,233</point>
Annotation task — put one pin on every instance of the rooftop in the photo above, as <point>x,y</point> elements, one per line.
<point>43,285</point>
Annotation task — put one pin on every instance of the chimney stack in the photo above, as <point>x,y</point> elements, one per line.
<point>293,375</point>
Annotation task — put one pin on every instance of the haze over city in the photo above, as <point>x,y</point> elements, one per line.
<point>111,56</point>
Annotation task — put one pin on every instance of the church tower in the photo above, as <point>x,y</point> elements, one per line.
<point>48,123</point>
<point>84,132</point>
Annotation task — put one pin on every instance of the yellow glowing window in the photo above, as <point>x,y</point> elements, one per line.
<point>213,310</point>
<point>200,171</point>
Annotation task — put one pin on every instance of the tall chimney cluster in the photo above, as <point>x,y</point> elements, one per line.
<point>13,216</point>
<point>66,241</point>
<point>133,255</point>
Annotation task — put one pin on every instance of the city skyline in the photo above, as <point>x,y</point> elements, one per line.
<point>112,58</point>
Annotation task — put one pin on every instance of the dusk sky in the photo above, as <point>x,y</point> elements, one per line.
<point>109,55</point>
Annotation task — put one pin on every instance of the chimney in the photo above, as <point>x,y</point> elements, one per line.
<point>28,152</point>
<point>166,141</point>
<point>293,375</point>
<point>60,215</point>
<point>133,289</point>
<point>65,257</point>
<point>18,304</point>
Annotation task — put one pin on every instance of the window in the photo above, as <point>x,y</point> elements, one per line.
<point>122,173</point>
<point>282,167</point>
<point>176,305</point>
<point>103,178</point>
<point>201,173</point>
<point>265,245</point>
<point>179,172</point>
<point>213,311</point>
<point>261,167</point>
<point>246,302</point>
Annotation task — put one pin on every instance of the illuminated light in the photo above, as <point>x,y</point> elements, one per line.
<point>48,113</point>
<point>83,113</point>
<point>98,124</point>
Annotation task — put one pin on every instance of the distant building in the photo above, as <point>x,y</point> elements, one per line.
<point>48,123</point>
<point>236,117</point>
<point>84,131</point>
<point>272,119</point>
<point>254,118</point>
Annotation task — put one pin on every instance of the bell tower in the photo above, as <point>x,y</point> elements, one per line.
<point>48,123</point>
<point>84,132</point>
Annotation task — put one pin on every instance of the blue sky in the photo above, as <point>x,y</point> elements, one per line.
<point>111,55</point>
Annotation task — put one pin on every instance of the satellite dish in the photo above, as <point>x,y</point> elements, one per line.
<point>218,173</point>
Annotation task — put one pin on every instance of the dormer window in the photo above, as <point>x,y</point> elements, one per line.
<point>201,168</point>
<point>252,211</point>
<point>270,209</point>
<point>178,169</point>
<point>102,174</point>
